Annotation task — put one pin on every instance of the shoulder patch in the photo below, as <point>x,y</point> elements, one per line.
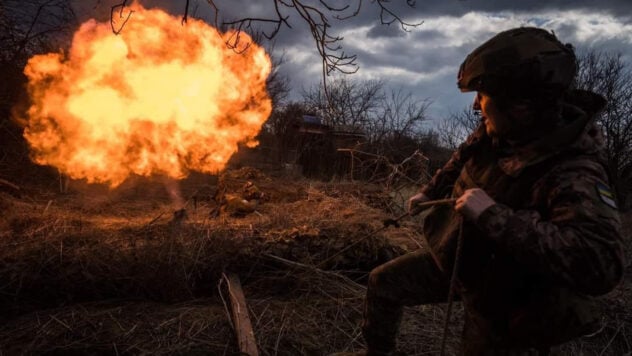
<point>606,195</point>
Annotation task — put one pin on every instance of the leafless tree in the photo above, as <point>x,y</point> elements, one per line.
<point>282,126</point>
<point>277,83</point>
<point>390,119</point>
<point>284,117</point>
<point>400,115</point>
<point>27,27</point>
<point>611,76</point>
<point>396,133</point>
<point>350,102</point>
<point>368,106</point>
<point>454,129</point>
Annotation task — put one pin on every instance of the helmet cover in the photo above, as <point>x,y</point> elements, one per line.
<point>519,62</point>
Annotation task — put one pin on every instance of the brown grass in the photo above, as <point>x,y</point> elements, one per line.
<point>103,272</point>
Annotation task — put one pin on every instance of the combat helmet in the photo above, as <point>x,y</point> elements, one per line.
<point>521,62</point>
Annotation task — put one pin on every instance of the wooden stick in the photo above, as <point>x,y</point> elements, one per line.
<point>241,321</point>
<point>427,204</point>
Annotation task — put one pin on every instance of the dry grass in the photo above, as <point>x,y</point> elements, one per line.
<point>113,273</point>
<point>121,327</point>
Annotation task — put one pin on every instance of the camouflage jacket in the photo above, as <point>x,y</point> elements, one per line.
<point>531,263</point>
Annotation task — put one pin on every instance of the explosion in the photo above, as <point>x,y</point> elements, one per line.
<point>159,98</point>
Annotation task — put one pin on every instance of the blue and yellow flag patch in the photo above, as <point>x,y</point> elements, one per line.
<point>606,195</point>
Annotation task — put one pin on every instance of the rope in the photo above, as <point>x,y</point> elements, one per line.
<point>455,268</point>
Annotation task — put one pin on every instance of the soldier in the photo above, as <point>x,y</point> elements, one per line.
<point>540,229</point>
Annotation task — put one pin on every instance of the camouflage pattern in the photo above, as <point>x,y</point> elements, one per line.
<point>532,264</point>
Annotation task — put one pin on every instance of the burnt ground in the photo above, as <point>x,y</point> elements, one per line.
<point>99,271</point>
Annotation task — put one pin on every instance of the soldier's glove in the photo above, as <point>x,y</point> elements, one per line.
<point>414,201</point>
<point>473,203</point>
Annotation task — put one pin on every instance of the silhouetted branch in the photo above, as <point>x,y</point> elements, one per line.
<point>387,16</point>
<point>186,13</point>
<point>119,7</point>
<point>215,11</point>
<point>316,15</point>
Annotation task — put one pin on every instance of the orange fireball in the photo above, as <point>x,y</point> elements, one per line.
<point>159,98</point>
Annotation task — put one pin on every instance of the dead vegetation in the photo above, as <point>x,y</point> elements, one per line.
<point>94,273</point>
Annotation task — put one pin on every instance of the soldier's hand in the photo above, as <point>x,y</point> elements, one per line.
<point>414,200</point>
<point>473,203</point>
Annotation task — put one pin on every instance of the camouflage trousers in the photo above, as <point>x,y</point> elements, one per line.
<point>415,279</point>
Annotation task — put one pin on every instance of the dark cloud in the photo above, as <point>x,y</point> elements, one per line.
<point>425,61</point>
<point>566,32</point>
<point>429,8</point>
<point>385,31</point>
<point>616,7</point>
<point>428,34</point>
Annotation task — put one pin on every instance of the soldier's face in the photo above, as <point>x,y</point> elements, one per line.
<point>497,123</point>
<point>502,120</point>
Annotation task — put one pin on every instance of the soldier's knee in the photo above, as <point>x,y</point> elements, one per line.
<point>378,278</point>
<point>392,273</point>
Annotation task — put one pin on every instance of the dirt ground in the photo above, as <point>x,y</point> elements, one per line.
<point>125,271</point>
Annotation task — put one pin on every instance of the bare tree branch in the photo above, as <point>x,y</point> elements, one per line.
<point>215,10</point>
<point>318,20</point>
<point>119,7</point>
<point>28,26</point>
<point>388,17</point>
<point>186,13</point>
<point>454,129</point>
